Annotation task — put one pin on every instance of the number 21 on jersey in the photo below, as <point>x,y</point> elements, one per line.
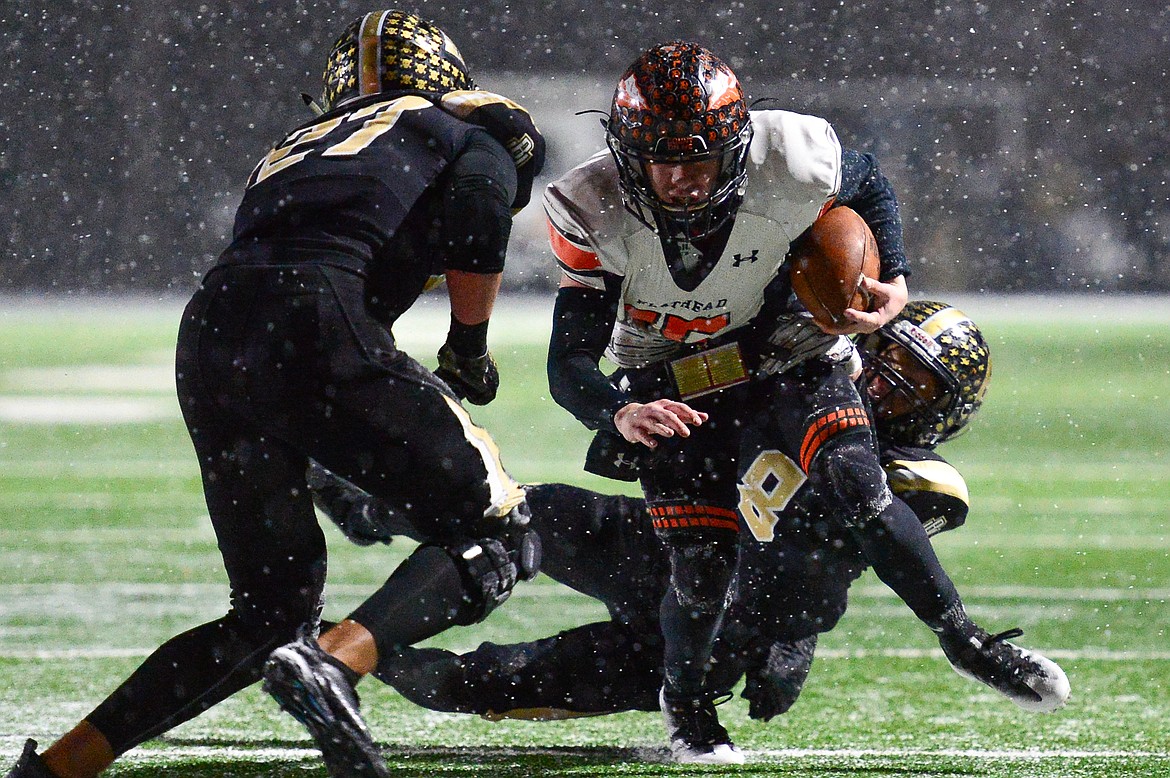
<point>378,118</point>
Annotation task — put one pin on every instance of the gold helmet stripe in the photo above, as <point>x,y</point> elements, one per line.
<point>452,49</point>
<point>943,320</point>
<point>369,53</point>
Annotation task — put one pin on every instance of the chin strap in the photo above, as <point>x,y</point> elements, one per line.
<point>312,104</point>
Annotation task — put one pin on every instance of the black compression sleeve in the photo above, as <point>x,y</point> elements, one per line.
<point>582,322</point>
<point>477,217</point>
<point>867,191</point>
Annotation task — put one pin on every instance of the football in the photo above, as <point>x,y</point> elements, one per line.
<point>826,264</point>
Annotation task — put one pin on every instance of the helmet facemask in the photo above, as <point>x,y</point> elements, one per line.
<point>699,216</point>
<point>911,408</point>
<point>680,105</point>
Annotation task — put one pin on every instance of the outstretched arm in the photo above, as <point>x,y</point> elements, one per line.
<point>582,322</point>
<point>865,189</point>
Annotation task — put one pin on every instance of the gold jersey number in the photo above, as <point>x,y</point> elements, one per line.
<point>377,119</point>
<point>765,491</point>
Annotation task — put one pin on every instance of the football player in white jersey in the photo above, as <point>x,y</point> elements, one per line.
<point>673,241</point>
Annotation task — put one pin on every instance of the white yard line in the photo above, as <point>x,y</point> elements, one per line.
<point>164,753</point>
<point>982,753</point>
<point>1044,594</point>
<point>86,410</point>
<point>97,469</point>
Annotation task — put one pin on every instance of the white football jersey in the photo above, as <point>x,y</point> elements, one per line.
<point>794,171</point>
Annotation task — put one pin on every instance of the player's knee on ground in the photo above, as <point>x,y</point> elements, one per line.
<point>849,478</point>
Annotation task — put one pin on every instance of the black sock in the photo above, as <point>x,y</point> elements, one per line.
<point>424,596</point>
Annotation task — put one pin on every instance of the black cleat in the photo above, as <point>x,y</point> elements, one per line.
<point>316,693</point>
<point>696,736</point>
<point>1031,681</point>
<point>30,765</point>
<point>773,688</point>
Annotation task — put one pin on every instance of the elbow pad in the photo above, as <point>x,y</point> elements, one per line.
<point>477,218</point>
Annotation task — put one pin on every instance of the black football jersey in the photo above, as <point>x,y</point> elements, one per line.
<point>354,188</point>
<point>346,181</point>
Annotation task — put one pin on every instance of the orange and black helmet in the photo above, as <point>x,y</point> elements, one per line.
<point>679,103</point>
<point>387,51</point>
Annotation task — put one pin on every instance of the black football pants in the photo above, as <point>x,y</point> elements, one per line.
<point>276,364</point>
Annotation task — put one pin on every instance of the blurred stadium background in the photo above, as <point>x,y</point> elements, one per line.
<point>1026,139</point>
<point>1027,143</point>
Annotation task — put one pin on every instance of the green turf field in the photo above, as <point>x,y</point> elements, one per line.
<point>106,552</point>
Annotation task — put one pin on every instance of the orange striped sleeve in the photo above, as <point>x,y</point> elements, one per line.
<point>573,256</point>
<point>669,517</point>
<point>827,425</point>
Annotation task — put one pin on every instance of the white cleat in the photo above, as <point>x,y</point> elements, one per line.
<point>696,736</point>
<point>1029,679</point>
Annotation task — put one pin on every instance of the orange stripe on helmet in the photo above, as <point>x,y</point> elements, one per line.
<point>825,426</point>
<point>570,254</point>
<point>370,53</point>
<point>724,89</point>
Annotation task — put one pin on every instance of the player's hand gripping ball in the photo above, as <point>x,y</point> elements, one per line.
<point>826,264</point>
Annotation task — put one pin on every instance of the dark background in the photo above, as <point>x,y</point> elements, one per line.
<point>1027,140</point>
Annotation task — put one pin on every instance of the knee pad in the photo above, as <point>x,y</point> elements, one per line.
<point>702,573</point>
<point>490,567</point>
<point>850,481</point>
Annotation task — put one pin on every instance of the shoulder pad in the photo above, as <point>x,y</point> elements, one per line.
<point>933,489</point>
<point>804,147</point>
<point>510,124</point>
<point>586,215</point>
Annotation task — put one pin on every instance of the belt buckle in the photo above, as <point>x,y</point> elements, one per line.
<point>708,371</point>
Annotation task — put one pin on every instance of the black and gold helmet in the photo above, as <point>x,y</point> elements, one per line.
<point>385,51</point>
<point>948,344</point>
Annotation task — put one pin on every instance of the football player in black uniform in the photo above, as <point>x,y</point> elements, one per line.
<point>925,375</point>
<point>408,175</point>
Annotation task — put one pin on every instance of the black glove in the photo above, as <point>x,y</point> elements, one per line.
<point>475,379</point>
<point>772,686</point>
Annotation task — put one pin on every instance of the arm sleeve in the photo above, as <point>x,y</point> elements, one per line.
<point>582,323</point>
<point>867,191</point>
<point>477,219</point>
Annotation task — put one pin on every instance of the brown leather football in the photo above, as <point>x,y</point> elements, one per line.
<point>827,261</point>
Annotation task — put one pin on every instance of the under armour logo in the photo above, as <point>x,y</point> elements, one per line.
<point>739,259</point>
<point>621,461</point>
